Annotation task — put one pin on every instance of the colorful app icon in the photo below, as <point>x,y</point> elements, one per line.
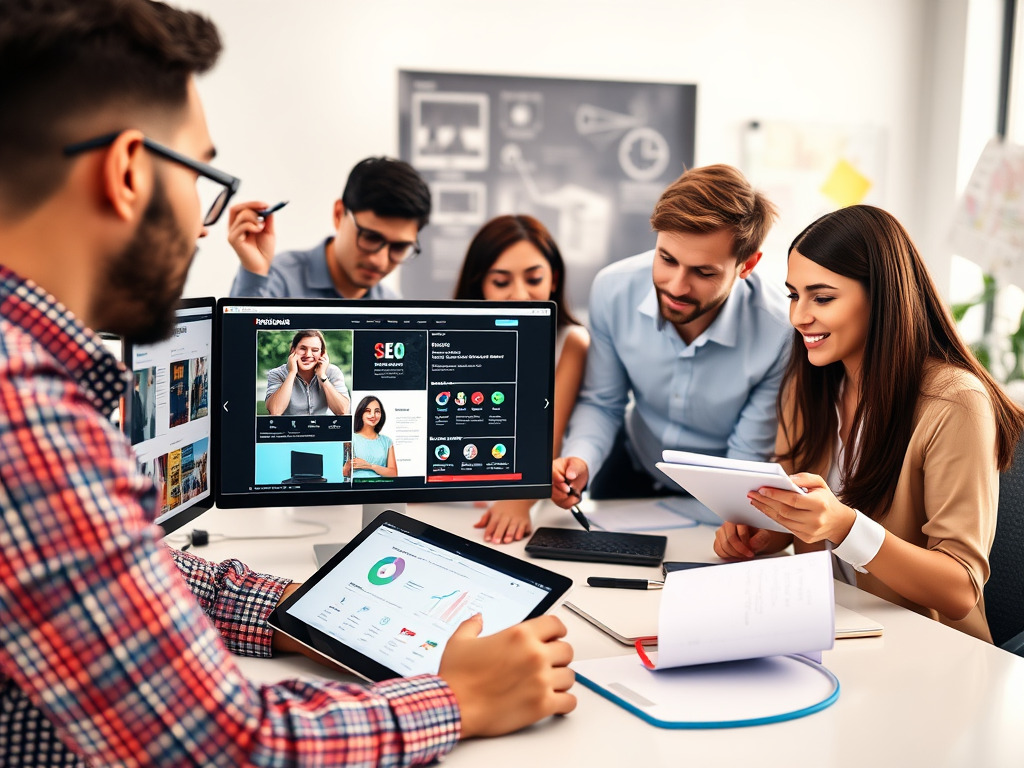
<point>498,450</point>
<point>469,451</point>
<point>498,398</point>
<point>442,398</point>
<point>386,570</point>
<point>407,632</point>
<point>477,398</point>
<point>442,452</point>
<point>460,398</point>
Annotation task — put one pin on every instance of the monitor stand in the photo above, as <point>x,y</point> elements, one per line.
<point>324,552</point>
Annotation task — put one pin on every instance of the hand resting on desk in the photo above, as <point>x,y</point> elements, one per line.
<point>506,521</point>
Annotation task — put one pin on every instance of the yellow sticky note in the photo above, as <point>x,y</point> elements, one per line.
<point>846,185</point>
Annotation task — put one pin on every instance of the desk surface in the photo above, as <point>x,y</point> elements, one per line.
<point>922,694</point>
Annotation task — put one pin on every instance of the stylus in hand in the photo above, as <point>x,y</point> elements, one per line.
<point>578,513</point>
<point>600,581</point>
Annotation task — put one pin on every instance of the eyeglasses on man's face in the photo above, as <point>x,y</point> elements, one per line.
<point>372,241</point>
<point>225,184</point>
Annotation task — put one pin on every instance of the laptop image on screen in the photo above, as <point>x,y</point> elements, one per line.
<point>306,468</point>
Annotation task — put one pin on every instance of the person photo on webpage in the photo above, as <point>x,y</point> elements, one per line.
<point>308,384</point>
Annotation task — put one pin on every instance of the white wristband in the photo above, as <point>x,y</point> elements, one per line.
<point>862,542</point>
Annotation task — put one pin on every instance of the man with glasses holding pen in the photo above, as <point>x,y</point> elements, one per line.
<point>377,222</point>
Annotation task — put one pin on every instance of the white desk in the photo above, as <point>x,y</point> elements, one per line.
<point>921,695</point>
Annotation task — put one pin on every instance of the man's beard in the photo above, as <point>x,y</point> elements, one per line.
<point>697,310</point>
<point>144,287</point>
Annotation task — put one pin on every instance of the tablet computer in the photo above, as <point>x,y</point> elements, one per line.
<point>386,604</point>
<point>723,489</point>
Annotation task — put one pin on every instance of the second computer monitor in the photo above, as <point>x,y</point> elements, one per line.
<point>365,402</point>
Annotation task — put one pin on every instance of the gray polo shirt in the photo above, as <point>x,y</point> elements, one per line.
<point>299,275</point>
<point>307,399</point>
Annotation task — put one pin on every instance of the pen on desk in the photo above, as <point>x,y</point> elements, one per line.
<point>580,517</point>
<point>599,581</point>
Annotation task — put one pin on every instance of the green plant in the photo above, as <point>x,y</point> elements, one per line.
<point>1002,357</point>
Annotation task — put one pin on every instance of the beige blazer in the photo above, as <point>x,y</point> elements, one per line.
<point>948,490</point>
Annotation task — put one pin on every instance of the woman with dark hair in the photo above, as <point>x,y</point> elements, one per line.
<point>898,431</point>
<point>373,454</point>
<point>514,258</point>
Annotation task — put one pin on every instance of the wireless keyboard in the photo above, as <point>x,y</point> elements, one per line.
<point>597,546</point>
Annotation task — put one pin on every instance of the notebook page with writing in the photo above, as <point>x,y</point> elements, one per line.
<point>768,607</point>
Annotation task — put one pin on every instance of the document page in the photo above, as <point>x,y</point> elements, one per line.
<point>768,607</point>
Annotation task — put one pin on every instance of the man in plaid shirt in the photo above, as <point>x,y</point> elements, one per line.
<point>114,649</point>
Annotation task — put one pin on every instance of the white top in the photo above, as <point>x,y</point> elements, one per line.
<point>841,569</point>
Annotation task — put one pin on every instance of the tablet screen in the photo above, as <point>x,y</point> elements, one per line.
<point>387,604</point>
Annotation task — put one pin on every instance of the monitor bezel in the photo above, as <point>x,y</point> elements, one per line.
<point>186,516</point>
<point>353,496</point>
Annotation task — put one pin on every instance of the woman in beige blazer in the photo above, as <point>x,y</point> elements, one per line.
<point>898,432</point>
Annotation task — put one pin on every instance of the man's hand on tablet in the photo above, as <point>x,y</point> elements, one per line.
<point>506,681</point>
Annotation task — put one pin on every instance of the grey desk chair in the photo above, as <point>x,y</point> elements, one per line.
<point>1004,592</point>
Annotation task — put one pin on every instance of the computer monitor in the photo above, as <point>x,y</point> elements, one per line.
<point>439,401</point>
<point>167,413</point>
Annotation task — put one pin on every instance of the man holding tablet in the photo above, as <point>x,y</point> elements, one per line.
<point>115,649</point>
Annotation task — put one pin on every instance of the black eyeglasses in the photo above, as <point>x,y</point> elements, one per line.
<point>371,241</point>
<point>229,183</point>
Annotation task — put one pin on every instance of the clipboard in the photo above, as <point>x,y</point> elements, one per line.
<point>731,694</point>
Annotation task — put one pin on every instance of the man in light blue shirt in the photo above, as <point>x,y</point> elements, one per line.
<point>377,221</point>
<point>700,351</point>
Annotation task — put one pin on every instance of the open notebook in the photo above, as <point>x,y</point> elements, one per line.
<point>629,614</point>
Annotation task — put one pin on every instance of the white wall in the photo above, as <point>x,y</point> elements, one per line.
<point>306,89</point>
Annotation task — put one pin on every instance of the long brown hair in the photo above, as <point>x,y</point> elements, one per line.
<point>497,236</point>
<point>907,325</point>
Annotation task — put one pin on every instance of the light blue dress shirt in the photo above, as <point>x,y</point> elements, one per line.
<point>715,395</point>
<point>298,275</point>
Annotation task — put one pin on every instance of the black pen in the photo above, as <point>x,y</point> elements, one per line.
<point>272,209</point>
<point>600,581</point>
<point>580,517</point>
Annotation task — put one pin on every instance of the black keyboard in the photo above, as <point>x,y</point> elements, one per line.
<point>597,546</point>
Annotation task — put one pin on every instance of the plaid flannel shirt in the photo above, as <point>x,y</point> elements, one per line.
<point>114,649</point>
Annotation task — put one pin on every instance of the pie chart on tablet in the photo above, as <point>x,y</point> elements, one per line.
<point>386,570</point>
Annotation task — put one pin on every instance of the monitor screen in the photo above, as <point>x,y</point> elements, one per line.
<point>365,402</point>
<point>167,413</point>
